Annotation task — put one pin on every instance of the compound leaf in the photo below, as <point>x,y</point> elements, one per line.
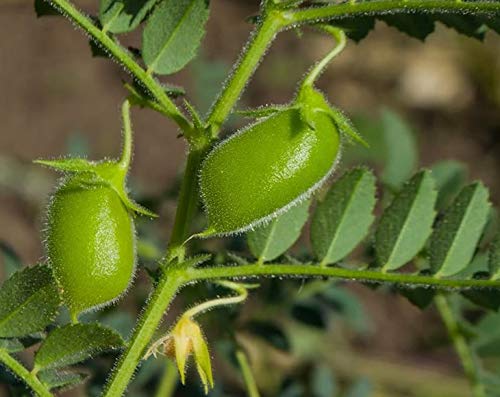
<point>406,223</point>
<point>74,343</point>
<point>29,301</point>
<point>457,233</point>
<point>343,218</point>
<point>270,241</point>
<point>173,34</point>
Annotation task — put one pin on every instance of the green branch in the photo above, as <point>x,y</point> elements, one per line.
<point>461,347</point>
<point>150,319</point>
<point>339,11</point>
<point>22,373</point>
<point>123,57</point>
<point>254,51</point>
<point>314,270</point>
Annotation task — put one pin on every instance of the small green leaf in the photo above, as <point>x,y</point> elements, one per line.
<point>11,260</point>
<point>469,25</point>
<point>74,343</point>
<point>44,8</point>
<point>450,177</point>
<point>419,296</point>
<point>120,16</point>
<point>406,223</point>
<point>346,127</point>
<point>356,28</point>
<point>69,164</point>
<point>173,34</point>
<point>98,51</point>
<point>457,233</point>
<point>29,301</point>
<point>415,25</point>
<point>270,241</point>
<point>261,112</point>
<point>343,218</point>
<point>494,257</point>
<point>61,380</point>
<point>401,150</point>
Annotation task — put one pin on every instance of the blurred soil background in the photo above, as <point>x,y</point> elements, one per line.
<point>56,99</point>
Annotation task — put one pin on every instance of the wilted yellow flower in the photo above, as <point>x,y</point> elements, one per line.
<point>186,338</point>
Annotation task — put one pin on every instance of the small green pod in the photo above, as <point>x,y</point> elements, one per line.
<point>90,243</point>
<point>261,171</point>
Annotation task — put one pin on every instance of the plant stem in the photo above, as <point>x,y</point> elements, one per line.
<point>187,203</point>
<point>313,270</point>
<point>319,68</point>
<point>248,377</point>
<point>127,137</point>
<point>169,380</point>
<point>259,42</point>
<point>231,300</point>
<point>123,57</point>
<point>338,11</point>
<point>151,318</point>
<point>461,347</point>
<point>22,373</point>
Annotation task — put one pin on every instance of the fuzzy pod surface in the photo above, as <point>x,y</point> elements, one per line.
<point>90,243</point>
<point>260,171</point>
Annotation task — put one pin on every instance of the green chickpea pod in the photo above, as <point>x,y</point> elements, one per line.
<point>261,171</point>
<point>90,235</point>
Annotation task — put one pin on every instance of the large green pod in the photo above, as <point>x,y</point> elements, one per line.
<point>260,171</point>
<point>90,243</point>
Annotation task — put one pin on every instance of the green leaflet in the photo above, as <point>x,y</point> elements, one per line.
<point>74,343</point>
<point>44,8</point>
<point>29,301</point>
<point>343,218</point>
<point>457,233</point>
<point>268,242</point>
<point>494,257</point>
<point>406,223</point>
<point>173,34</point>
<point>61,380</point>
<point>120,16</point>
<point>401,150</point>
<point>450,177</point>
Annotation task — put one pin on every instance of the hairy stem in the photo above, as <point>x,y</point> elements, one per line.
<point>314,270</point>
<point>124,58</point>
<point>246,372</point>
<point>22,373</point>
<point>186,204</point>
<point>338,11</point>
<point>260,40</point>
<point>461,347</point>
<point>127,137</point>
<point>149,322</point>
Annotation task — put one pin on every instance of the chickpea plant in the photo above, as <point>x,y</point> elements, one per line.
<point>263,180</point>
